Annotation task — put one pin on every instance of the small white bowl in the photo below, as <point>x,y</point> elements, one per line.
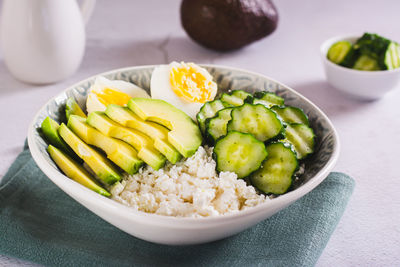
<point>364,85</point>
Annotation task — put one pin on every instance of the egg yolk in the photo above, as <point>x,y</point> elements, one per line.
<point>109,96</point>
<point>187,82</point>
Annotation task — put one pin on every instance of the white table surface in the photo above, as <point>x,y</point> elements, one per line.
<point>128,33</point>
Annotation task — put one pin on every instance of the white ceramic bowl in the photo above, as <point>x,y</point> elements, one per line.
<point>180,231</point>
<point>364,85</point>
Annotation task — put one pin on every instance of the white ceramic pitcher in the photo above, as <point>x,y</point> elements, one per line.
<point>43,41</point>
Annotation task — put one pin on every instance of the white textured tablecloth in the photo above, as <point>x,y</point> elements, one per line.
<point>127,33</point>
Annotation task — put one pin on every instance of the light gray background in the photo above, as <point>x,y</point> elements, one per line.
<point>128,33</point>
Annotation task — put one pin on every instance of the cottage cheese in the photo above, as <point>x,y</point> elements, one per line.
<point>190,188</point>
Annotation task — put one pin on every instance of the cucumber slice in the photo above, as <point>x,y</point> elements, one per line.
<point>268,99</point>
<point>350,58</point>
<point>301,137</point>
<point>208,110</point>
<point>291,114</point>
<point>237,98</point>
<point>258,120</point>
<point>239,153</point>
<point>276,174</point>
<point>365,62</point>
<point>392,56</point>
<point>241,94</point>
<point>338,51</point>
<point>216,126</point>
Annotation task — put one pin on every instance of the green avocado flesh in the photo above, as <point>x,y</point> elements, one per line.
<point>156,132</point>
<point>96,161</point>
<point>117,151</point>
<point>49,128</point>
<point>184,133</point>
<point>72,108</point>
<point>142,143</point>
<point>75,171</point>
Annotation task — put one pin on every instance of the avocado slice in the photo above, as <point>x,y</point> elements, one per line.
<point>96,161</point>
<point>49,128</point>
<point>117,151</point>
<point>75,171</point>
<point>185,135</point>
<point>72,108</point>
<point>158,133</point>
<point>141,142</point>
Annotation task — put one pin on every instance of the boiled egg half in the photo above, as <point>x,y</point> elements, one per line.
<point>187,86</point>
<point>104,92</point>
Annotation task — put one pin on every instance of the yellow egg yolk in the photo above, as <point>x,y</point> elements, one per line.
<point>109,96</point>
<point>187,82</point>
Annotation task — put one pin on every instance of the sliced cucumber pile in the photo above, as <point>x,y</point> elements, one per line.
<point>244,130</point>
<point>276,174</point>
<point>240,153</point>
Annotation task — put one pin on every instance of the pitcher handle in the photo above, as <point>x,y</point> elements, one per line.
<point>87,8</point>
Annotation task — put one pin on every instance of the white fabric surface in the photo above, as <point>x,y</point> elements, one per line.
<point>127,33</point>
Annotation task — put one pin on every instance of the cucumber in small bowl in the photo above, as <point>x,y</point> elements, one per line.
<point>208,110</point>
<point>339,52</point>
<point>369,52</point>
<point>237,97</point>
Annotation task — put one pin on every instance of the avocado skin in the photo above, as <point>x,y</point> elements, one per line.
<point>225,25</point>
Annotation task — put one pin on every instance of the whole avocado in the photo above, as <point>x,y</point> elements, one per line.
<point>228,24</point>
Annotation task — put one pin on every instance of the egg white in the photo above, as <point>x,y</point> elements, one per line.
<point>160,88</point>
<point>101,83</point>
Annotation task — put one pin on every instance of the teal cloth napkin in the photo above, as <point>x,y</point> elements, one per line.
<point>40,223</point>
